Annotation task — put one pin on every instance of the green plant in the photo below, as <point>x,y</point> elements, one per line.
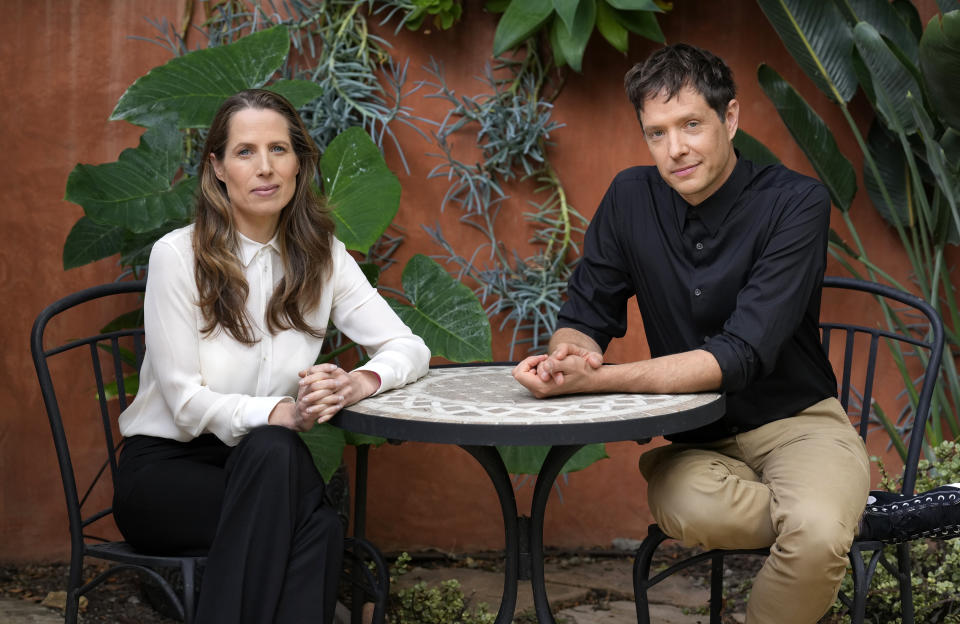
<point>444,12</point>
<point>911,154</point>
<point>442,604</point>
<point>570,23</point>
<point>935,565</point>
<point>130,203</point>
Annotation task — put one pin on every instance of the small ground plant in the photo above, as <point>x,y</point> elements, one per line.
<point>441,604</point>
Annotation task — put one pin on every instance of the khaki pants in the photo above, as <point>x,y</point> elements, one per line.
<point>797,485</point>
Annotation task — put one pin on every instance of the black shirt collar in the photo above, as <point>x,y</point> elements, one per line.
<point>714,209</point>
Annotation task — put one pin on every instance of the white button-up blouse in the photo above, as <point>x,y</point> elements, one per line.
<point>193,383</point>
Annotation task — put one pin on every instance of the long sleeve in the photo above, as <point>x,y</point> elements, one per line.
<point>777,294</point>
<point>396,354</point>
<point>600,285</point>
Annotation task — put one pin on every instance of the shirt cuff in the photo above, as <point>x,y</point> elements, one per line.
<point>256,412</point>
<point>737,360</point>
<point>599,337</point>
<point>386,376</point>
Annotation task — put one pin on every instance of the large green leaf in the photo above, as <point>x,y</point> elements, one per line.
<point>128,320</point>
<point>910,16</point>
<point>298,92</point>
<point>888,22</point>
<point>362,191</point>
<point>194,85</point>
<point>518,22</point>
<point>819,39</point>
<point>496,6</point>
<point>326,444</point>
<point>813,136</point>
<point>89,241</point>
<point>635,5</point>
<point>445,313</point>
<point>894,174</point>
<point>891,79</point>
<point>947,6</point>
<point>136,192</point>
<point>356,439</point>
<point>567,10</point>
<point>135,250</point>
<point>529,459</point>
<point>131,385</point>
<point>950,142</point>
<point>940,61</point>
<point>947,216</point>
<point>612,30</point>
<point>752,149</point>
<point>573,42</point>
<point>556,27</point>
<point>643,23</point>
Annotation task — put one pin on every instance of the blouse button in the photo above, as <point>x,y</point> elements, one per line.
<point>699,246</point>
<point>697,292</point>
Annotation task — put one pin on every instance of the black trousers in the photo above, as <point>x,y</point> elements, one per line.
<point>274,551</point>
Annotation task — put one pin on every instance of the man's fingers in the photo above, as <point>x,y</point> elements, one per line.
<point>528,364</point>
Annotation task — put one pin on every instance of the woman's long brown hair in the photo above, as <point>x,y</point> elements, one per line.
<point>305,232</point>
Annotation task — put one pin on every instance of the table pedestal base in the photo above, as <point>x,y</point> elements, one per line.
<point>523,536</point>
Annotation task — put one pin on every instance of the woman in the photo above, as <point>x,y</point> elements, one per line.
<point>235,311</point>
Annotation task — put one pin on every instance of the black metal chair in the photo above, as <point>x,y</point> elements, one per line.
<point>922,336</point>
<point>112,358</point>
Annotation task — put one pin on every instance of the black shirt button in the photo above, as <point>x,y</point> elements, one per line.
<point>699,246</point>
<point>697,292</point>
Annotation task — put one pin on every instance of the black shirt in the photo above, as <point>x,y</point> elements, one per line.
<point>738,275</point>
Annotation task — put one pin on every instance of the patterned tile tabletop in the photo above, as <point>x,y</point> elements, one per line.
<point>488,395</point>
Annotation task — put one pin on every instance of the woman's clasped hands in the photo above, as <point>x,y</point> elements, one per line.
<point>323,390</point>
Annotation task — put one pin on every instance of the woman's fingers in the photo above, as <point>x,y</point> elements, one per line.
<point>324,390</point>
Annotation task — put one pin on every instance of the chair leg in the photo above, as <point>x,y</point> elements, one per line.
<point>906,588</point>
<point>641,571</point>
<point>72,607</point>
<point>188,569</point>
<point>716,587</point>
<point>74,583</point>
<point>861,583</point>
<point>373,583</point>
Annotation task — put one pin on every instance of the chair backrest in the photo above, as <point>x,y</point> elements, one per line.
<point>913,331</point>
<point>110,358</point>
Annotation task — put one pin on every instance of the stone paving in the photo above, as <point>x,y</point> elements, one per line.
<point>675,601</point>
<point>13,611</point>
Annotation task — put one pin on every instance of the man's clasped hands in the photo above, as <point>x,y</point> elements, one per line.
<point>567,369</point>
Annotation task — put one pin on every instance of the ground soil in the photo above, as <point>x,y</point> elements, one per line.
<point>122,599</point>
<point>119,600</point>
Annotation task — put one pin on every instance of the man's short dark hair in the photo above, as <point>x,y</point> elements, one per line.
<point>670,69</point>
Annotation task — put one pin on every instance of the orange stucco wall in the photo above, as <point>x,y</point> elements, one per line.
<point>66,63</point>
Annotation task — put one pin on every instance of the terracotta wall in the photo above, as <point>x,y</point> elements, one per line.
<point>66,63</point>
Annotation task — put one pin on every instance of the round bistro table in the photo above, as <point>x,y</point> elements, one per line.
<point>480,406</point>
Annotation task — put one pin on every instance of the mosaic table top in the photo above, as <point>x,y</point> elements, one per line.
<point>475,402</point>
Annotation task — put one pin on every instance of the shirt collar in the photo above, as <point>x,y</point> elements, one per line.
<point>714,209</point>
<point>249,248</point>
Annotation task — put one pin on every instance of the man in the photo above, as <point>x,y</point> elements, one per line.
<point>726,260</point>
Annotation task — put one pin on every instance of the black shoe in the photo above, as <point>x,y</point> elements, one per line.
<point>895,518</point>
